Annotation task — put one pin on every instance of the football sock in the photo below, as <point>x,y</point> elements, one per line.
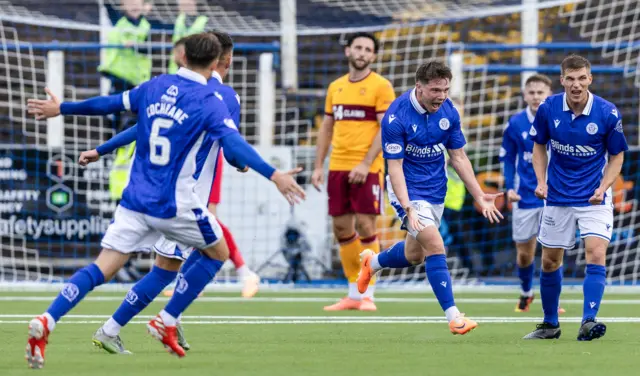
<point>526,278</point>
<point>440,280</point>
<point>593,289</point>
<point>550,288</point>
<point>391,258</point>
<point>83,281</point>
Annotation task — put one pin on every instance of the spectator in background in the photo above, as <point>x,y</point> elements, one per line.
<point>453,203</point>
<point>127,68</point>
<point>187,23</point>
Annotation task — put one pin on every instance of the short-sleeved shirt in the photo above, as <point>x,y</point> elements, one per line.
<point>421,139</point>
<point>354,107</point>
<point>579,146</point>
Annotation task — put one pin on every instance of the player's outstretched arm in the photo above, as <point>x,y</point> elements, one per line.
<point>611,172</point>
<point>487,201</point>
<point>121,139</point>
<point>48,108</point>
<point>399,185</point>
<point>540,160</point>
<point>322,149</point>
<point>236,149</point>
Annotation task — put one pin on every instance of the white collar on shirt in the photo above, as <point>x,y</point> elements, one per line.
<point>191,75</point>
<point>414,101</point>
<point>217,76</point>
<point>587,109</point>
<point>530,115</point>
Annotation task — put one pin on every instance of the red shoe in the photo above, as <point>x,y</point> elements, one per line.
<point>168,335</point>
<point>38,339</point>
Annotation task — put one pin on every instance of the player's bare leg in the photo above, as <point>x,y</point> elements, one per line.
<point>550,289</point>
<point>164,271</point>
<point>429,243</point>
<point>345,231</point>
<point>164,326</point>
<point>81,283</point>
<point>366,228</point>
<point>593,288</point>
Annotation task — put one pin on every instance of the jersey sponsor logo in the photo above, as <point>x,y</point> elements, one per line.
<point>426,151</point>
<point>556,122</point>
<point>172,90</point>
<point>354,112</point>
<point>392,117</point>
<point>444,124</point>
<point>393,148</point>
<point>619,126</point>
<point>573,150</point>
<point>533,131</point>
<point>592,128</point>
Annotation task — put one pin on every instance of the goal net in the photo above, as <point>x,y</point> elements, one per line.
<point>54,212</point>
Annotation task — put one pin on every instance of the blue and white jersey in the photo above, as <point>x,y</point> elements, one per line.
<point>516,157</point>
<point>227,95</point>
<point>579,147</point>
<point>207,156</point>
<point>411,133</point>
<point>175,115</point>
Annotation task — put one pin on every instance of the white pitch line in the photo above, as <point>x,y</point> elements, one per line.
<point>348,320</point>
<point>232,299</point>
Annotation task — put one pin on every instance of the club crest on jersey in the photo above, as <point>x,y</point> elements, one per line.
<point>619,126</point>
<point>556,122</point>
<point>444,124</point>
<point>592,128</point>
<point>532,131</point>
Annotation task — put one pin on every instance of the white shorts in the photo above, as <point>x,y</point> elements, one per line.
<point>429,214</point>
<point>171,249</point>
<point>558,225</point>
<point>525,224</point>
<point>131,231</point>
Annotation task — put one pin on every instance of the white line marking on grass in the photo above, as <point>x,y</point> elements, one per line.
<point>269,320</point>
<point>216,299</point>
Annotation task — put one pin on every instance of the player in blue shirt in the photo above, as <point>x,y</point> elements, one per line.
<point>586,150</point>
<point>417,129</point>
<point>520,182</point>
<point>178,115</point>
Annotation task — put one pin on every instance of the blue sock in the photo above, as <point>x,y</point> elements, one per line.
<point>440,280</point>
<point>81,282</point>
<point>191,283</point>
<point>394,257</point>
<point>190,261</point>
<point>526,277</point>
<point>143,293</point>
<point>550,288</point>
<point>593,289</point>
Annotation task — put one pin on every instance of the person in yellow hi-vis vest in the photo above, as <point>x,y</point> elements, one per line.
<point>128,67</point>
<point>187,23</point>
<point>453,203</point>
<point>119,174</point>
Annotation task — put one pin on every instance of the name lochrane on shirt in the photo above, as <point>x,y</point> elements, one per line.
<point>167,109</point>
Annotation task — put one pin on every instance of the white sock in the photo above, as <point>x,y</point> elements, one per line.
<point>167,318</point>
<point>375,265</point>
<point>243,271</point>
<point>51,323</point>
<point>370,291</point>
<point>451,313</point>
<point>528,294</point>
<point>111,327</point>
<point>353,291</point>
